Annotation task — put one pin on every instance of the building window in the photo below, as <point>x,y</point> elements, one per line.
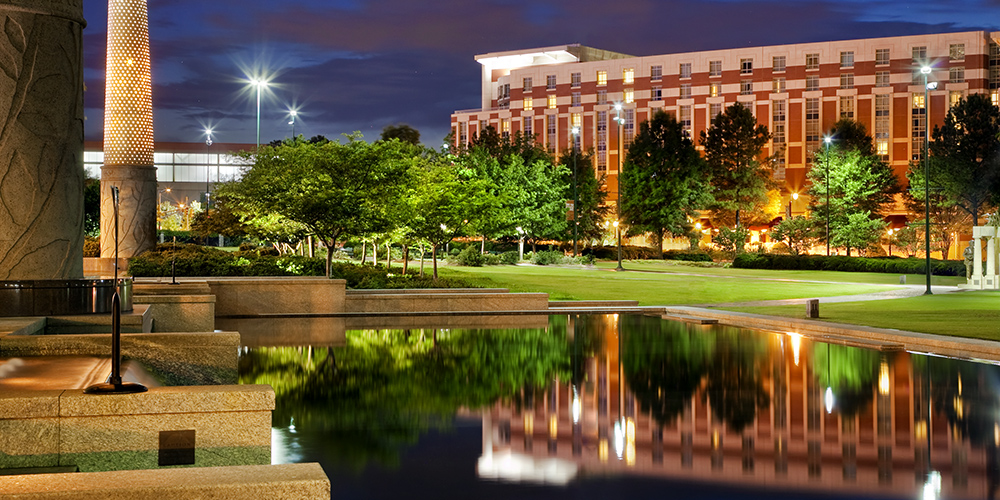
<point>954,98</point>
<point>602,141</point>
<point>602,97</point>
<point>994,67</point>
<point>847,59</point>
<point>956,52</point>
<point>881,78</point>
<point>657,93</point>
<point>714,109</point>
<point>574,80</point>
<point>746,66</point>
<point>812,123</point>
<point>918,125</point>
<point>919,56</point>
<point>847,107</point>
<point>714,68</point>
<point>526,128</point>
<point>882,125</point>
<point>714,89</point>
<point>529,104</point>
<point>628,76</point>
<point>881,57</point>
<point>550,133</point>
<point>550,82</point>
<point>505,128</point>
<point>778,117</point>
<point>629,126</point>
<point>812,61</point>
<point>746,87</point>
<point>685,119</point>
<point>778,85</point>
<point>629,96</point>
<point>463,133</point>
<point>575,99</point>
<point>957,74</point>
<point>685,91</point>
<point>482,126</point>
<point>656,73</point>
<point>778,65</point>
<point>576,123</point>
<point>602,77</point>
<point>812,82</point>
<point>847,80</point>
<point>527,84</point>
<point>685,70</point>
<point>552,101</point>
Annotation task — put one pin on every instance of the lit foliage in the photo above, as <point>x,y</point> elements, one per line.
<point>664,181</point>
<point>798,233</point>
<point>591,194</point>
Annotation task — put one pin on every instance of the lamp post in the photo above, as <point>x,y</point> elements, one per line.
<point>259,85</point>
<point>575,132</point>
<point>208,168</point>
<point>292,113</point>
<point>794,196</point>
<point>926,70</point>
<point>827,140</point>
<point>889,234</point>
<point>621,163</point>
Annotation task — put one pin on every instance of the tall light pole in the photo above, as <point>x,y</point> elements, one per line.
<point>926,71</point>
<point>827,140</point>
<point>576,211</point>
<point>208,167</point>
<point>292,113</point>
<point>621,163</point>
<point>259,85</point>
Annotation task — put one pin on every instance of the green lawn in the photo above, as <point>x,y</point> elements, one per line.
<point>965,314</point>
<point>664,285</point>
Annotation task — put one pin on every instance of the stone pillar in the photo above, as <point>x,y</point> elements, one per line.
<point>991,263</point>
<point>41,139</point>
<point>128,133</point>
<point>977,255</point>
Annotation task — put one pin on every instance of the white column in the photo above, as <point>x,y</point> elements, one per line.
<point>991,262</point>
<point>977,259</point>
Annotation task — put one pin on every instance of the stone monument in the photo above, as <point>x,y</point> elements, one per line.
<point>128,133</point>
<point>41,140</point>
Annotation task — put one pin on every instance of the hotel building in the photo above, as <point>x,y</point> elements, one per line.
<point>798,91</point>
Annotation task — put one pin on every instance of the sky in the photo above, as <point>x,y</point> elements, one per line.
<point>359,65</point>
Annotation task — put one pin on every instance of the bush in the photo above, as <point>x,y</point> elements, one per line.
<point>510,258</point>
<point>688,255</point>
<point>470,257</point>
<point>91,247</point>
<point>547,257</point>
<point>890,265</point>
<point>628,253</point>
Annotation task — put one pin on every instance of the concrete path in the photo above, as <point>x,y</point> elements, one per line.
<point>896,292</point>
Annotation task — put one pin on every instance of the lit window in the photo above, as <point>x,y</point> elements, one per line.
<point>505,128</point>
<point>552,102</point>
<point>812,83</point>
<point>778,85</point>
<point>746,87</point>
<point>629,96</point>
<point>847,59</point>
<point>714,68</point>
<point>527,84</point>
<point>685,91</point>
<point>882,147</point>
<point>957,74</point>
<point>847,80</point>
<point>628,76</point>
<point>956,52</point>
<point>575,99</point>
<point>577,120</point>
<point>550,82</point>
<point>918,101</point>
<point>602,97</point>
<point>996,98</point>
<point>881,78</point>
<point>746,66</point>
<point>812,61</point>
<point>954,98</point>
<point>657,93</point>
<point>656,73</point>
<point>528,104</point>
<point>778,65</point>
<point>685,70</point>
<point>602,77</point>
<point>714,89</point>
<point>881,57</point>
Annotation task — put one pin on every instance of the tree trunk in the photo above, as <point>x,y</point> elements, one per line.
<point>329,256</point>
<point>388,256</point>
<point>659,243</point>
<point>374,252</point>
<point>364,251</point>
<point>434,258</point>
<point>406,258</point>
<point>482,248</point>
<point>421,259</point>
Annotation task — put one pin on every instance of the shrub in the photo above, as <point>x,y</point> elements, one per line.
<point>889,265</point>
<point>688,255</point>
<point>470,256</point>
<point>510,258</point>
<point>247,246</point>
<point>547,257</point>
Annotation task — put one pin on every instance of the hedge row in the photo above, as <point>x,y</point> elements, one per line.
<point>890,265</point>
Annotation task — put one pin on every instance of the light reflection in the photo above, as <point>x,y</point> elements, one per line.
<point>619,440</point>
<point>932,488</point>
<point>577,406</point>
<point>883,378</point>
<point>796,344</point>
<point>829,400</point>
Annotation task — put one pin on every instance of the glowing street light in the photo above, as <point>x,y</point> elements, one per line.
<point>208,167</point>
<point>259,85</point>
<point>576,133</point>
<point>292,113</point>
<point>926,71</point>
<point>621,163</point>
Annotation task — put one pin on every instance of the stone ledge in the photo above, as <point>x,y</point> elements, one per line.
<point>174,299</point>
<point>289,481</point>
<point>411,291</point>
<point>29,404</point>
<point>169,400</point>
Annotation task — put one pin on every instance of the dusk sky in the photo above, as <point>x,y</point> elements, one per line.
<point>352,65</point>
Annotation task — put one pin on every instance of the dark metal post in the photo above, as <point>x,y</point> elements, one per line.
<point>927,200</point>
<point>827,141</point>
<point>576,211</point>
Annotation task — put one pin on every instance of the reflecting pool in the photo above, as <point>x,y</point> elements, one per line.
<point>607,406</point>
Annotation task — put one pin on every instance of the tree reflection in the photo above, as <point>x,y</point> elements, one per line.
<point>735,385</point>
<point>966,393</point>
<point>850,371</point>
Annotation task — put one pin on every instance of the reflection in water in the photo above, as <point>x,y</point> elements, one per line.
<point>606,395</point>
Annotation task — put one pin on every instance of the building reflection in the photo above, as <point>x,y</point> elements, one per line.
<point>657,398</point>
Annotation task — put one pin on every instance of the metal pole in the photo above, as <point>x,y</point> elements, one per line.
<point>927,199</point>
<point>827,140</point>
<point>618,202</point>
<point>258,84</point>
<point>576,211</point>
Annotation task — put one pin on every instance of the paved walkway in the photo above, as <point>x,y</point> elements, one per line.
<point>895,293</point>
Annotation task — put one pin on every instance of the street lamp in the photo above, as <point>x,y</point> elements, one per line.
<point>926,70</point>
<point>827,140</point>
<point>621,163</point>
<point>208,168</point>
<point>259,85</point>
<point>292,113</point>
<point>575,132</point>
<point>889,234</point>
<point>794,196</point>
